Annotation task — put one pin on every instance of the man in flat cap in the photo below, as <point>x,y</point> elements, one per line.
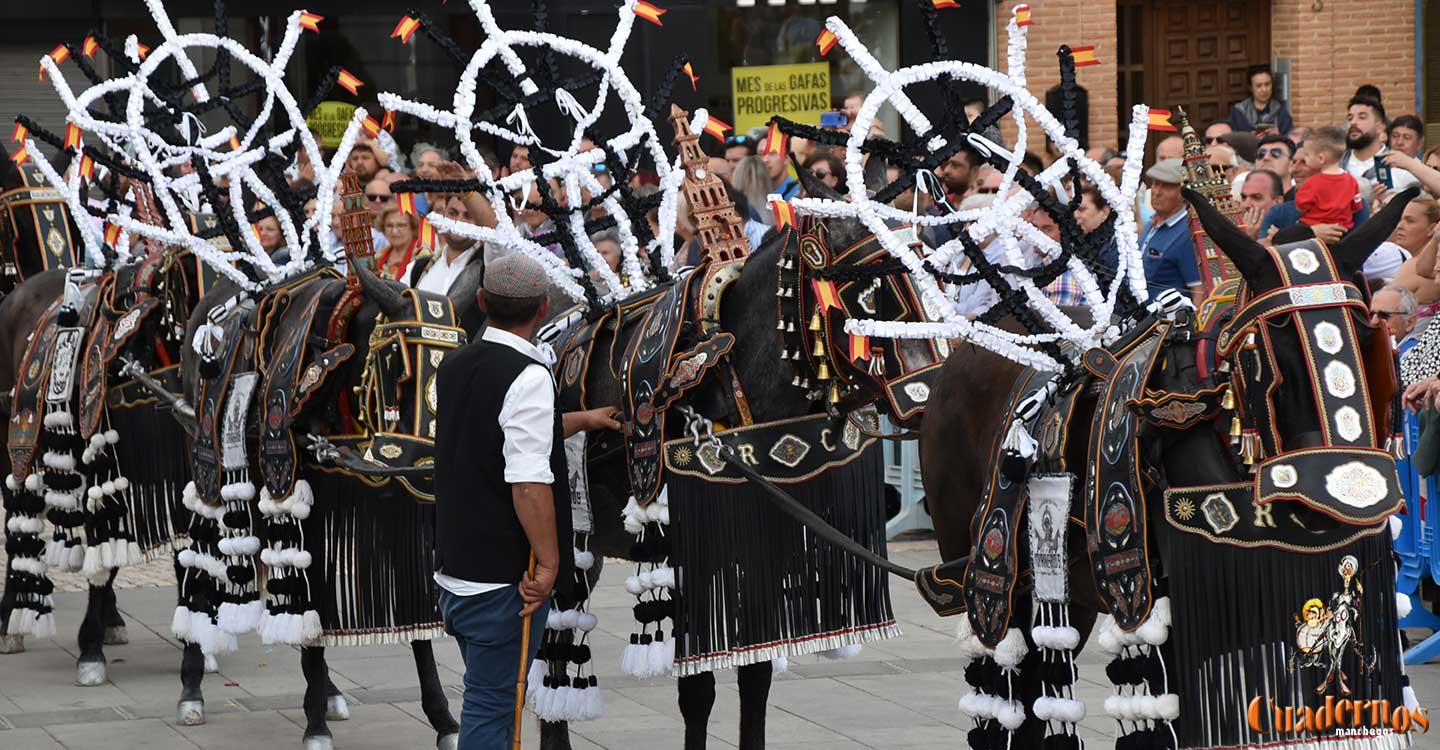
<point>499,451</point>
<point>1166,247</point>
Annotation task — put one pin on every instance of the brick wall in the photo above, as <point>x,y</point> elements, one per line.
<point>1342,45</point>
<point>1072,22</point>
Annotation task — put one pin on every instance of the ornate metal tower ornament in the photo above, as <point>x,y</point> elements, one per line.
<point>721,228</point>
<point>1209,180</point>
<point>355,226</point>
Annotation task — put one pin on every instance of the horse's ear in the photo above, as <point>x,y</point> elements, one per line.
<point>814,186</point>
<point>1354,248</point>
<point>1248,256</point>
<point>875,174</point>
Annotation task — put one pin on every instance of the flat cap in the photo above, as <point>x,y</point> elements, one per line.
<point>516,275</point>
<point>1170,171</point>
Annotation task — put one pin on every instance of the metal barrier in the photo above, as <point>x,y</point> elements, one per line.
<point>902,473</point>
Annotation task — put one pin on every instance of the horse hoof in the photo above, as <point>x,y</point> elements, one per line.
<point>212,665</point>
<point>12,644</point>
<point>319,743</point>
<point>190,713</point>
<point>336,709</point>
<point>116,636</point>
<point>448,742</point>
<point>90,673</point>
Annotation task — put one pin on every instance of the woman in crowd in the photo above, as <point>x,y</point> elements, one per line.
<point>753,179</point>
<point>1262,110</point>
<point>827,168</point>
<point>402,233</point>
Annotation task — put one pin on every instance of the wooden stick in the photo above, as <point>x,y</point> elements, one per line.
<point>524,662</point>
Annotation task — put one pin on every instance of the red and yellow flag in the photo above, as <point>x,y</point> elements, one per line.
<point>716,128</point>
<point>349,82</point>
<point>112,234</point>
<point>1160,120</point>
<point>826,294</point>
<point>388,121</point>
<point>427,233</point>
<point>1084,56</point>
<point>859,347</point>
<point>776,142</point>
<point>826,41</point>
<point>256,229</point>
<point>407,202</point>
<point>60,54</point>
<point>72,135</point>
<point>20,133</point>
<point>20,155</point>
<point>1022,15</point>
<point>311,21</point>
<point>694,79</point>
<point>405,29</point>
<point>371,126</point>
<point>784,212</point>
<point>943,4</point>
<point>87,167</point>
<point>143,50</point>
<point>234,143</point>
<point>649,12</point>
<point>90,46</point>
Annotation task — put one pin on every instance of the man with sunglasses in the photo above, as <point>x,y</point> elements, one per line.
<point>1215,133</point>
<point>1394,308</point>
<point>1277,154</point>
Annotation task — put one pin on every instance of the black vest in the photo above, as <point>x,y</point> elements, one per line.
<point>478,537</point>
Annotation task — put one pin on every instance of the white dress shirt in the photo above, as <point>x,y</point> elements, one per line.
<point>442,272</point>
<point>527,418</point>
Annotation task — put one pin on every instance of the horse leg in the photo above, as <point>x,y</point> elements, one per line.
<point>190,712</point>
<point>697,697</point>
<point>317,683</point>
<point>90,667</point>
<point>554,735</point>
<point>9,644</point>
<point>754,682</point>
<point>115,633</point>
<point>432,697</point>
<point>336,707</point>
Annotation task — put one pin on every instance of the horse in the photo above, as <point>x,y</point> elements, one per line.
<point>836,251</point>
<point>361,338</point>
<point>136,309</point>
<point>975,395</point>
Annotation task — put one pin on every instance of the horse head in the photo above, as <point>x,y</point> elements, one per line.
<point>1311,381</point>
<point>841,272</point>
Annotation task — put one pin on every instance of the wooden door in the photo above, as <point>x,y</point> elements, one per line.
<point>1189,53</point>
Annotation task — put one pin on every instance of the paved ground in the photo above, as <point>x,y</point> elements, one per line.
<point>898,695</point>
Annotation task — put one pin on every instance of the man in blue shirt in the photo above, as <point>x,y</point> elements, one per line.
<point>1166,247</point>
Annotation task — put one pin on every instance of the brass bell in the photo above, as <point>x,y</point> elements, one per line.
<point>1235,426</point>
<point>819,349</point>
<point>834,397</point>
<point>790,327</point>
<point>816,324</point>
<point>823,372</point>
<point>796,381</point>
<point>779,324</point>
<point>1227,402</point>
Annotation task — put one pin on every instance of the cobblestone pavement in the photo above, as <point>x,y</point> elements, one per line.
<point>897,695</point>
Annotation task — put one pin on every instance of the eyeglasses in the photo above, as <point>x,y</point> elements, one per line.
<point>987,190</point>
<point>1384,314</point>
<point>1211,140</point>
<point>377,196</point>
<point>1272,153</point>
<point>397,227</point>
<point>822,173</point>
<point>737,140</point>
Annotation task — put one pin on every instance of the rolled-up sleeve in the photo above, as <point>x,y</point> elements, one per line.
<point>527,419</point>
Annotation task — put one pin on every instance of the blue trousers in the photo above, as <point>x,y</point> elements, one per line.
<point>488,629</point>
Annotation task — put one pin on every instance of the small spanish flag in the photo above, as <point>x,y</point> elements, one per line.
<point>20,133</point>
<point>825,293</point>
<point>776,142</point>
<point>256,229</point>
<point>427,233</point>
<point>60,54</point>
<point>859,347</point>
<point>87,167</point>
<point>349,82</point>
<point>826,41</point>
<point>407,202</point>
<point>388,121</point>
<point>1084,56</point>
<point>72,135</point>
<point>310,21</point>
<point>405,29</point>
<point>90,46</point>
<point>20,155</point>
<point>649,12</point>
<point>234,143</point>
<point>716,128</point>
<point>943,4</point>
<point>371,126</point>
<point>784,212</point>
<point>1160,120</point>
<point>112,234</point>
<point>1022,15</point>
<point>143,50</point>
<point>694,79</point>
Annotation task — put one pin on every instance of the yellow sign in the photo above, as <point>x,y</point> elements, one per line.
<point>798,92</point>
<point>329,120</point>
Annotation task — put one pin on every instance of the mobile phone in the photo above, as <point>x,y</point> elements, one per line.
<point>1264,127</point>
<point>833,119</point>
<point>1383,173</point>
